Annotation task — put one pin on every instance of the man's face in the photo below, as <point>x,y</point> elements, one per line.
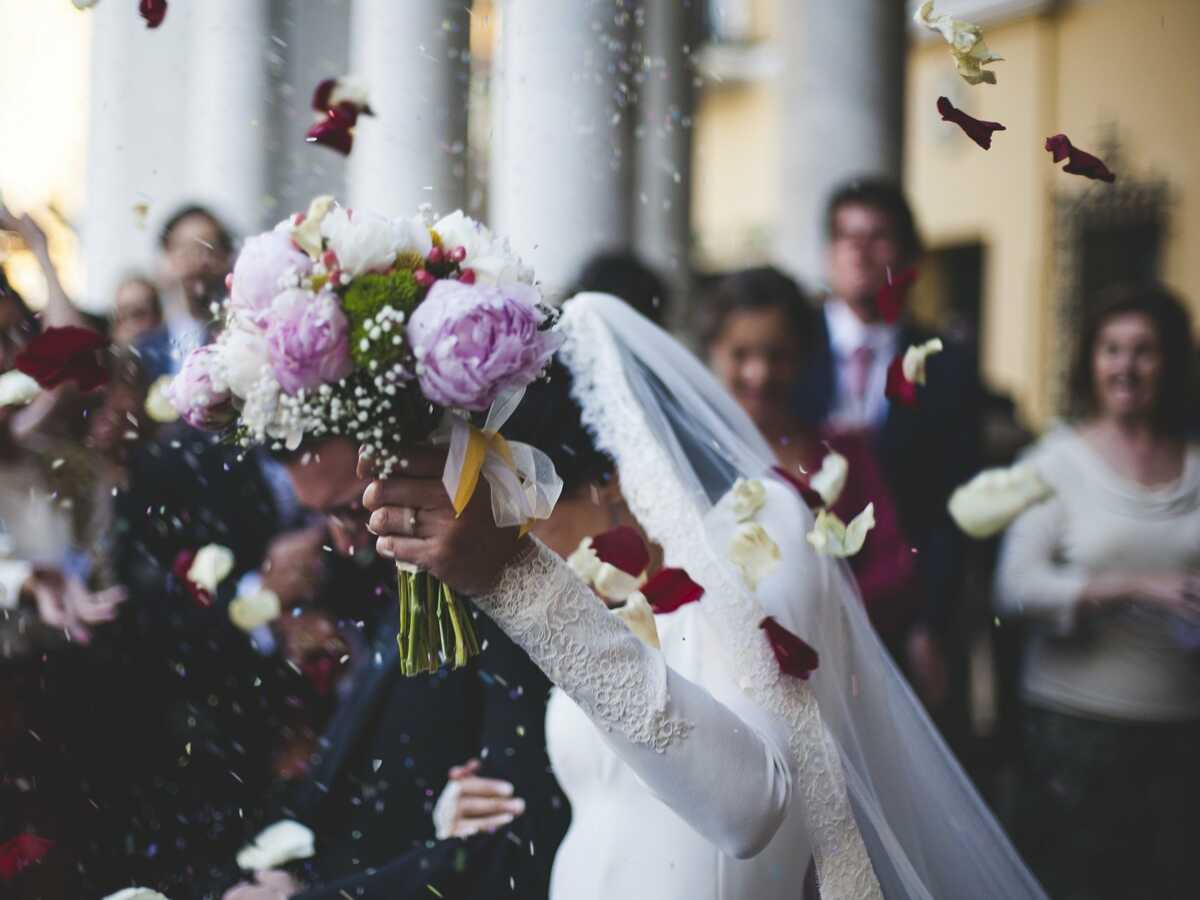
<point>326,482</point>
<point>863,248</point>
<point>196,260</point>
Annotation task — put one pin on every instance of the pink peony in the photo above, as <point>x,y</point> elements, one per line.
<point>264,261</point>
<point>307,340</point>
<point>199,394</point>
<point>472,342</point>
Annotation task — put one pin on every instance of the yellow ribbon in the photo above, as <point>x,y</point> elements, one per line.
<point>479,444</point>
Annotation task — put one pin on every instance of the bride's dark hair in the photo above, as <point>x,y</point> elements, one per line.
<point>550,419</point>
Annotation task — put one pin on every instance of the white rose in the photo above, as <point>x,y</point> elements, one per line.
<point>281,843</point>
<point>413,235</point>
<point>249,611</point>
<point>17,388</point>
<point>831,537</point>
<point>637,614</point>
<point>210,567</point>
<point>830,479</point>
<point>749,495</point>
<point>365,242</point>
<point>913,364</point>
<point>989,502</point>
<point>136,893</point>
<point>490,257</point>
<point>158,401</point>
<point>753,552</point>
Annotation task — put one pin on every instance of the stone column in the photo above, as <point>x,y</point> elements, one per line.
<point>414,59</point>
<point>230,117</point>
<point>841,111</point>
<point>663,143</point>
<point>560,173</point>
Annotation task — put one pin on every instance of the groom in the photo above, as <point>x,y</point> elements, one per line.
<point>371,788</point>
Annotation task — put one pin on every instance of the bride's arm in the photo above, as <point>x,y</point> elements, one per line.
<point>725,776</point>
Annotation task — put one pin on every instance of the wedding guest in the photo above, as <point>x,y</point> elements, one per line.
<point>1107,573</point>
<point>137,309</point>
<point>370,792</point>
<point>927,450</point>
<point>757,332</point>
<point>197,254</point>
<point>624,275</point>
<point>59,309</point>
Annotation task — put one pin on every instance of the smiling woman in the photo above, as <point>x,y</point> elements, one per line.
<point>1105,570</point>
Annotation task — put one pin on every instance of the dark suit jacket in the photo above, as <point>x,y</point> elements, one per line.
<point>384,762</point>
<point>925,453</point>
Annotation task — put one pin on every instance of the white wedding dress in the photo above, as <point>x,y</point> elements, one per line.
<point>701,770</point>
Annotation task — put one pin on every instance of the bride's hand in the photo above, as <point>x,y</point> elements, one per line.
<point>415,523</point>
<point>469,804</point>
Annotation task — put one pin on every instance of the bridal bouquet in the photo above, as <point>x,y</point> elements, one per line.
<point>387,332</point>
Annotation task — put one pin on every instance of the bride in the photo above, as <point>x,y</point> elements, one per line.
<point>702,770</point>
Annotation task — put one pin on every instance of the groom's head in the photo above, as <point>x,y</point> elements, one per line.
<point>325,479</point>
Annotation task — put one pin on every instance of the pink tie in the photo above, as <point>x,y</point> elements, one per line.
<point>860,371</point>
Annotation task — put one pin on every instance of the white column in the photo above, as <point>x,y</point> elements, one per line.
<point>414,60</point>
<point>663,144</point>
<point>137,158</point>
<point>230,116</point>
<point>841,105</point>
<point>560,172</point>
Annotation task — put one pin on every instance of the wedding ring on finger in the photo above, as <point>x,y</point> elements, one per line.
<point>410,522</point>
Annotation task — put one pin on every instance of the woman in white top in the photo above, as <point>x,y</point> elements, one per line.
<point>703,769</point>
<point>1105,571</point>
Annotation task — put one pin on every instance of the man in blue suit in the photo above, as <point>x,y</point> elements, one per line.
<point>926,450</point>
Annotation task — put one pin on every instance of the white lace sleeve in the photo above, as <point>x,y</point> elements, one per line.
<point>723,776</point>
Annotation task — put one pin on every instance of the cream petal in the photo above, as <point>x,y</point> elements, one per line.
<point>637,614</point>
<point>307,234</point>
<point>966,43</point>
<point>830,479</point>
<point>17,388</point>
<point>990,501</point>
<point>276,845</point>
<point>584,561</point>
<point>753,552</point>
<point>249,611</point>
<point>913,364</point>
<point>831,537</point>
<point>615,584</point>
<point>158,401</point>
<point>210,566</point>
<point>749,495</point>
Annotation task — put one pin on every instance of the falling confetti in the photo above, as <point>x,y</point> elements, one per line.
<point>976,129</point>
<point>153,11</point>
<point>1078,161</point>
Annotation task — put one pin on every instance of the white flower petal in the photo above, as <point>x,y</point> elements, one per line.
<point>249,611</point>
<point>210,567</point>
<point>749,495</point>
<point>830,479</point>
<point>491,257</point>
<point>831,537</point>
<point>136,893</point>
<point>989,502</point>
<point>966,44</point>
<point>307,234</point>
<point>17,388</point>
<point>158,401</point>
<point>753,552</point>
<point>913,364</point>
<point>637,614</point>
<point>615,584</point>
<point>281,843</point>
<point>585,562</point>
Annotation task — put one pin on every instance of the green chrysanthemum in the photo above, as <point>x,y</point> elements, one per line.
<point>370,301</point>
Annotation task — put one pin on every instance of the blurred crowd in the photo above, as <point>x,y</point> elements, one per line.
<point>147,736</point>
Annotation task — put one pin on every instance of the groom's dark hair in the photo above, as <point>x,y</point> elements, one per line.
<point>550,419</point>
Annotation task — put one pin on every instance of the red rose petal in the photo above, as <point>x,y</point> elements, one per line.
<point>891,299</point>
<point>1079,162</point>
<point>20,852</point>
<point>59,355</point>
<point>624,548</point>
<point>336,129</point>
<point>899,388</point>
<point>976,129</point>
<point>814,500</point>
<point>322,94</point>
<point>179,568</point>
<point>670,589</point>
<point>795,657</point>
<point>153,11</point>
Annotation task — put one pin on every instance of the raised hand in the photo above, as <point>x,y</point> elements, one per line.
<point>415,523</point>
<point>469,804</point>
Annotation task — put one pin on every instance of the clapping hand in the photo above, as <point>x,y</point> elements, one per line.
<point>469,804</point>
<point>415,523</point>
